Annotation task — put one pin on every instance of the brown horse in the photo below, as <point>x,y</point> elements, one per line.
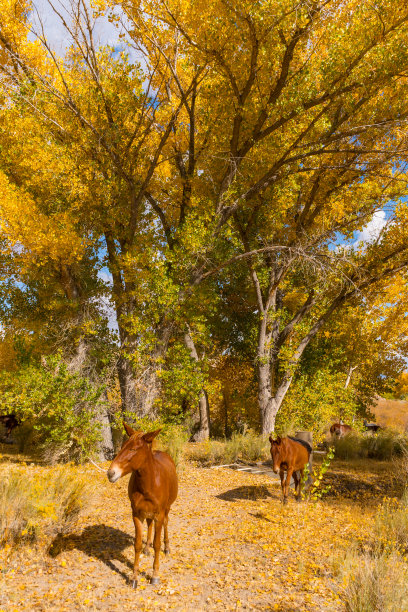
<point>10,422</point>
<point>152,489</point>
<point>340,429</point>
<point>290,455</point>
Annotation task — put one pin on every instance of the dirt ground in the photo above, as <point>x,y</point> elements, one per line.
<point>233,547</point>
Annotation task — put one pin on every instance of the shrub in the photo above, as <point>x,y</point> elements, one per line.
<point>33,507</point>
<point>173,441</point>
<point>350,446</point>
<point>384,445</point>
<point>61,405</point>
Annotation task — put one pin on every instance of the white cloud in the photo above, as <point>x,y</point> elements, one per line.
<point>105,32</point>
<point>373,228</point>
<point>106,277</point>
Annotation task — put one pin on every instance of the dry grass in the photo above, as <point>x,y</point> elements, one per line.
<point>391,413</point>
<point>375,573</point>
<point>33,508</point>
<point>248,446</point>
<point>375,582</point>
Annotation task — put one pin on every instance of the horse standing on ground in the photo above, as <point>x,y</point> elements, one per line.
<point>152,489</point>
<point>373,427</point>
<point>10,422</point>
<point>290,455</point>
<point>340,429</point>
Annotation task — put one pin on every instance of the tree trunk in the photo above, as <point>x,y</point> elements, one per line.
<point>203,405</point>
<point>106,450</point>
<point>204,410</point>
<point>127,384</point>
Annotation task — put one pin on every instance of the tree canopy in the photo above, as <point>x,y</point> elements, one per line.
<point>218,163</point>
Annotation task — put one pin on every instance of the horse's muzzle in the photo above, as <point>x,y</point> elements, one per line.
<point>113,475</point>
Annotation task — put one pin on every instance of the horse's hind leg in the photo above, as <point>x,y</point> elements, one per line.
<point>149,539</point>
<point>166,535</point>
<point>296,478</point>
<point>301,482</point>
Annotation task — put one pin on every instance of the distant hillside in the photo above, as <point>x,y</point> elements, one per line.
<point>391,413</point>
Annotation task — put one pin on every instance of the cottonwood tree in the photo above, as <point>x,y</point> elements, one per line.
<point>295,136</point>
<point>253,132</point>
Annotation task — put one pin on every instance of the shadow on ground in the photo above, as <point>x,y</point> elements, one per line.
<point>99,541</point>
<point>249,492</point>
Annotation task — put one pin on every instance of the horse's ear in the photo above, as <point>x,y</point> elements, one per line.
<point>150,435</point>
<point>278,440</point>
<point>130,432</point>
<point>271,439</point>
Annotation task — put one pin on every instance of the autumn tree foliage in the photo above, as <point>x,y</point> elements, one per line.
<point>245,140</point>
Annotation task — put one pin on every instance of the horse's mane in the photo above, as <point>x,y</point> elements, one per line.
<point>303,442</point>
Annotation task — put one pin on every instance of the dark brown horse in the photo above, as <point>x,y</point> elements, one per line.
<point>10,422</point>
<point>373,427</point>
<point>152,489</point>
<point>340,429</point>
<point>290,455</point>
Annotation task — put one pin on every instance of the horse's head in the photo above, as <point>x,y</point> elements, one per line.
<point>133,453</point>
<point>277,449</point>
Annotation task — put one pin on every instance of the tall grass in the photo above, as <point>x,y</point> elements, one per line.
<point>376,578</point>
<point>38,506</point>
<point>375,582</point>
<point>391,524</point>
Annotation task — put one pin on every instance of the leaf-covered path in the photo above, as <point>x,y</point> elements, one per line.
<point>233,546</point>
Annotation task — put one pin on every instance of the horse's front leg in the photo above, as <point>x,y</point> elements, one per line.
<point>282,477</point>
<point>286,486</point>
<point>138,548</point>
<point>158,523</point>
<point>149,540</point>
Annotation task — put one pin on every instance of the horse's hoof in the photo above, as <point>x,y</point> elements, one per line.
<point>284,501</point>
<point>146,551</point>
<point>134,584</point>
<point>155,580</point>
<point>167,551</point>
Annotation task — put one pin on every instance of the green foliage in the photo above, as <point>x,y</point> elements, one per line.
<point>61,405</point>
<point>316,491</point>
<point>33,507</point>
<point>315,400</point>
<point>182,379</point>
